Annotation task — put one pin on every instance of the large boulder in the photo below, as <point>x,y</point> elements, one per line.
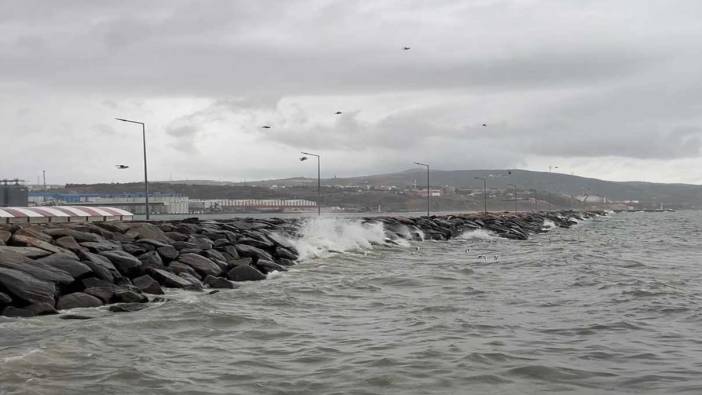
<point>201,264</point>
<point>101,266</point>
<point>77,235</point>
<point>29,252</point>
<point>124,262</point>
<point>151,259</point>
<point>219,282</point>
<point>269,266</point>
<point>201,243</point>
<point>256,242</point>
<point>104,293</point>
<point>25,287</point>
<point>28,241</point>
<point>5,298</point>
<point>35,269</point>
<point>77,299</point>
<point>4,236</point>
<point>286,253</point>
<point>148,285</point>
<point>69,243</point>
<point>123,295</point>
<point>169,279</point>
<point>66,263</point>
<point>180,267</point>
<point>147,231</point>
<point>245,273</point>
<point>168,253</point>
<point>195,283</point>
<point>35,232</point>
<point>100,246</point>
<point>246,250</point>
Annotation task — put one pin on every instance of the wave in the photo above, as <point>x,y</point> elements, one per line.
<point>548,224</point>
<point>478,234</point>
<point>323,236</point>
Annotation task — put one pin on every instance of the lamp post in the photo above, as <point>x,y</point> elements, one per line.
<point>428,191</point>
<point>484,192</point>
<point>319,182</point>
<point>515,196</point>
<point>146,176</point>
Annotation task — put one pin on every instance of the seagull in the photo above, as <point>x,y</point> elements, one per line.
<point>484,125</point>
<point>405,48</point>
<point>122,167</point>
<point>304,158</point>
<point>265,127</point>
<point>338,113</point>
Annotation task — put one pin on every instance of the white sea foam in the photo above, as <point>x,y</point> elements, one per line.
<point>548,224</point>
<point>325,235</point>
<point>478,234</point>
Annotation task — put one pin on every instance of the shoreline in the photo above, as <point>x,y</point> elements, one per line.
<point>45,268</point>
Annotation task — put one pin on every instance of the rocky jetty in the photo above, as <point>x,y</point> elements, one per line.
<point>49,267</point>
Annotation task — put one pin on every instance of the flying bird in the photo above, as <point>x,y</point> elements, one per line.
<point>406,48</point>
<point>338,113</point>
<point>304,158</point>
<point>265,127</point>
<point>484,125</point>
<point>122,167</point>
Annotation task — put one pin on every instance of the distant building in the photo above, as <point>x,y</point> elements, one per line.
<point>13,194</point>
<point>159,203</point>
<point>197,206</point>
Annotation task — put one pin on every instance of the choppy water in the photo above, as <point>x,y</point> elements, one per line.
<point>610,306</point>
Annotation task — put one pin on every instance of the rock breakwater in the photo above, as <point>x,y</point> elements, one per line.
<point>45,268</point>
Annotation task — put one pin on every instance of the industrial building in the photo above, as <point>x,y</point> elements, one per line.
<point>12,193</point>
<point>159,203</point>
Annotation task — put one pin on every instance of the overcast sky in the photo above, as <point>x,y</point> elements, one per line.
<point>605,89</point>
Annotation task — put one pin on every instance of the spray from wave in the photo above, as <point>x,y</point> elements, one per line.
<point>326,235</point>
<point>548,224</point>
<point>478,234</point>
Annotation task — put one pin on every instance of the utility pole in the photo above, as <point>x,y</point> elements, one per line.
<point>146,173</point>
<point>428,191</point>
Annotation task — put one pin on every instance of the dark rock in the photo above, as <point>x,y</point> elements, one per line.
<point>188,228</point>
<point>66,263</point>
<point>77,299</point>
<point>75,317</point>
<point>5,298</point>
<point>153,243</point>
<point>258,243</point>
<point>245,273</point>
<point>125,263</point>
<point>151,259</point>
<point>283,252</point>
<point>29,252</point>
<point>76,235</point>
<point>104,293</point>
<point>68,243</point>
<point>4,236</point>
<point>286,262</point>
<point>135,249</point>
<point>169,279</point>
<point>282,241</point>
<point>98,247</point>
<point>214,291</point>
<point>179,267</point>
<point>195,283</point>
<point>182,245</point>
<point>101,266</point>
<point>128,296</point>
<point>201,243</point>
<point>246,250</point>
<point>219,282</point>
<point>201,264</point>
<point>28,241</point>
<point>114,226</point>
<point>268,266</point>
<point>147,231</point>
<point>168,253</point>
<point>127,307</point>
<point>177,236</point>
<point>96,282</point>
<point>41,308</point>
<point>221,243</point>
<point>12,311</point>
<point>214,255</point>
<point>148,285</point>
<point>35,232</point>
<point>35,269</point>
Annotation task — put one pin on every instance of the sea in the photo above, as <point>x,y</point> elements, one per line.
<point>609,306</point>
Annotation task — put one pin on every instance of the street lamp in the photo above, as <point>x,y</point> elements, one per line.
<point>428,191</point>
<point>319,182</point>
<point>146,177</point>
<point>515,196</point>
<point>484,192</point>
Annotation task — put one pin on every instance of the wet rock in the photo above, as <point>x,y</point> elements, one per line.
<point>269,266</point>
<point>246,250</point>
<point>127,307</point>
<point>219,282</point>
<point>74,234</point>
<point>114,226</point>
<point>66,263</point>
<point>5,298</point>
<point>128,296</point>
<point>258,243</point>
<point>76,300</point>
<point>135,249</point>
<point>283,252</point>
<point>286,262</point>
<point>34,232</point>
<point>201,264</point>
<point>12,311</point>
<point>177,236</point>
<point>41,309</point>
<point>214,255</point>
<point>179,267</point>
<point>183,245</point>
<point>4,236</point>
<point>35,269</point>
<point>75,317</point>
<point>245,273</point>
<point>148,285</point>
<point>221,243</point>
<point>153,243</point>
<point>169,279</point>
<point>168,253</point>
<point>195,283</point>
<point>124,262</point>
<point>201,243</point>
<point>104,293</point>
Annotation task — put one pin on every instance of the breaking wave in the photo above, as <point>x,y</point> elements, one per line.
<point>478,234</point>
<point>323,236</point>
<point>548,224</point>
